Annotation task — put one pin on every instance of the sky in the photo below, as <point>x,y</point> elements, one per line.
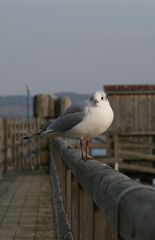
<point>75,45</point>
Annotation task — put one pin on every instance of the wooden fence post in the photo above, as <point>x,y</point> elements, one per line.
<point>41,106</point>
<point>116,152</point>
<point>3,144</point>
<point>52,106</point>
<point>61,104</point>
<point>75,217</point>
<point>86,218</point>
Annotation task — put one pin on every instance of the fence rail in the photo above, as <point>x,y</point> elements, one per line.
<point>100,201</point>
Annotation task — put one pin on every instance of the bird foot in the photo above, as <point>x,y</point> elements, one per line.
<point>70,146</point>
<point>87,158</point>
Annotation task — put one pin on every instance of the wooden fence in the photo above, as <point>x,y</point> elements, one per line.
<point>99,202</point>
<point>130,151</point>
<point>133,107</point>
<point>133,152</point>
<point>16,153</point>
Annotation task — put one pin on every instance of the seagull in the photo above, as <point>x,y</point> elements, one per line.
<point>83,121</point>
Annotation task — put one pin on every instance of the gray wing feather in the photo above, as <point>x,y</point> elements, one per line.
<point>67,120</point>
<point>75,108</point>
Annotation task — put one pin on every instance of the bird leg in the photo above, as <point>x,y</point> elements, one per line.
<point>87,145</point>
<point>69,145</point>
<point>84,151</point>
<point>87,157</point>
<point>68,142</point>
<point>72,144</point>
<point>82,148</point>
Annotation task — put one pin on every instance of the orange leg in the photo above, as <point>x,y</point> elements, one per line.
<point>82,148</point>
<point>87,145</point>
<point>85,150</point>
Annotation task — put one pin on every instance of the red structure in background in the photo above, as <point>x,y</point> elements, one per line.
<point>129,88</point>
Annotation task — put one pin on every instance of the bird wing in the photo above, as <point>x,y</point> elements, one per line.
<point>67,120</point>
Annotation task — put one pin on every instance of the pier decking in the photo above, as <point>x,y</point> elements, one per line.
<point>26,210</point>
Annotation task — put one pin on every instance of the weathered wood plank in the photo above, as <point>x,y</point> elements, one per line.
<point>26,209</point>
<point>86,216</point>
<point>136,133</point>
<point>136,168</point>
<point>75,213</point>
<point>103,229</point>
<point>153,112</point>
<point>68,194</point>
<point>136,145</point>
<point>136,155</point>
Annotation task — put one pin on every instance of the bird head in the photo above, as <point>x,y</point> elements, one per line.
<point>98,98</point>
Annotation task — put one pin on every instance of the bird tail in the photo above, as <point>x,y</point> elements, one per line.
<point>45,132</point>
<point>38,134</point>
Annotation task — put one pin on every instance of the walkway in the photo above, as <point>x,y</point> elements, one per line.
<point>26,208</point>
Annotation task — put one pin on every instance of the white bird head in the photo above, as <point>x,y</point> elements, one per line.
<point>98,98</point>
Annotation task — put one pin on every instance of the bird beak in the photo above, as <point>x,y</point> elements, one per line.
<point>96,101</point>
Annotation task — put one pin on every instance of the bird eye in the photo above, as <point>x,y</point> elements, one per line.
<point>102,98</point>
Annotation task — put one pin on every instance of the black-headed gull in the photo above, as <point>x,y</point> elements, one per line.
<point>84,121</point>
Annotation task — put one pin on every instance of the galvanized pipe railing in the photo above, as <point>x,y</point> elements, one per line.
<point>100,203</point>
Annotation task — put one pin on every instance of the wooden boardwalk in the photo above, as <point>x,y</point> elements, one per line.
<point>26,211</point>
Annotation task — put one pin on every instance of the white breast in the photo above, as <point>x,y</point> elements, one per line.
<point>96,121</point>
